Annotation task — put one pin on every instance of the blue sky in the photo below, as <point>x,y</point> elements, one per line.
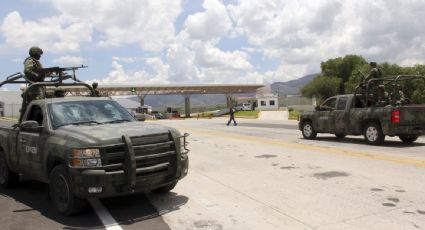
<point>207,41</point>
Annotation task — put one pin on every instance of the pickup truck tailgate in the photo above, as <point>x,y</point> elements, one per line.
<point>412,115</point>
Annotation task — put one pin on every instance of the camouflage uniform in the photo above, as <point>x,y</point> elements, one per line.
<point>375,73</point>
<point>97,93</point>
<point>32,67</point>
<point>399,96</point>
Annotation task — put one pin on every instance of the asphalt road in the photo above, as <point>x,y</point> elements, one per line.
<point>258,175</point>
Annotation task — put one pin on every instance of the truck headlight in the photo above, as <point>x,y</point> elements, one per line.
<point>184,143</point>
<point>85,157</point>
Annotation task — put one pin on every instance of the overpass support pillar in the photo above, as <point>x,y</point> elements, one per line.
<point>142,99</point>
<point>187,105</point>
<point>229,100</point>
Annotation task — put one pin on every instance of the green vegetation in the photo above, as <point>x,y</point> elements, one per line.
<point>247,114</point>
<point>343,74</point>
<point>293,114</point>
<point>204,115</point>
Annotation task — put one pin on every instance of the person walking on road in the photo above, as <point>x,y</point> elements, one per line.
<point>232,117</point>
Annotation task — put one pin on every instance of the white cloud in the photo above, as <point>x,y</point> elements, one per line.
<point>147,23</point>
<point>304,33</point>
<point>69,61</point>
<point>213,23</point>
<point>127,59</point>
<point>48,33</point>
<point>120,76</point>
<point>412,61</point>
<point>298,34</point>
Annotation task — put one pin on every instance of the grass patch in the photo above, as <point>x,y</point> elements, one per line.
<point>294,114</point>
<point>247,114</point>
<point>204,115</point>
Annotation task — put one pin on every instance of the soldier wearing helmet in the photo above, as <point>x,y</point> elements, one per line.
<point>375,73</point>
<point>32,71</point>
<point>96,91</point>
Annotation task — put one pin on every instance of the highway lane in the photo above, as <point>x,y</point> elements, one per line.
<point>254,176</point>
<point>262,175</point>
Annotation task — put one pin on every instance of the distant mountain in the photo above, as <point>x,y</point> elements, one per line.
<point>292,87</point>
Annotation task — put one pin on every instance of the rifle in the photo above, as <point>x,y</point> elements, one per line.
<point>59,73</point>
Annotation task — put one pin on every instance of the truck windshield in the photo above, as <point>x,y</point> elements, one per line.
<point>87,113</point>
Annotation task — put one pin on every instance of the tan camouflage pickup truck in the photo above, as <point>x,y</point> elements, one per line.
<point>88,146</point>
<point>355,114</point>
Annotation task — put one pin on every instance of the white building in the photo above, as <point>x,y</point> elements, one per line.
<point>268,102</point>
<point>12,102</point>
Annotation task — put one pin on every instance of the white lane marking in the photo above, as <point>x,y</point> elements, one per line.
<point>108,221</point>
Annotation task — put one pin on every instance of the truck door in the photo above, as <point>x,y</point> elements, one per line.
<point>340,116</point>
<point>29,148</point>
<point>325,120</point>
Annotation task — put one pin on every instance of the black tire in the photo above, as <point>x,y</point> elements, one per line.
<point>308,131</point>
<point>165,189</point>
<point>408,138</point>
<point>373,134</point>
<point>340,135</point>
<point>62,193</point>
<point>8,179</point>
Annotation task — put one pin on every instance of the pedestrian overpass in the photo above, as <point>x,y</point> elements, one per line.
<point>184,90</point>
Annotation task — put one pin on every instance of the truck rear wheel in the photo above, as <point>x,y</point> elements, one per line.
<point>62,193</point>
<point>373,134</point>
<point>408,138</point>
<point>308,130</point>
<point>8,179</point>
<point>165,189</point>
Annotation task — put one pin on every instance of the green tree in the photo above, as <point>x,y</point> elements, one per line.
<point>343,68</point>
<point>322,87</point>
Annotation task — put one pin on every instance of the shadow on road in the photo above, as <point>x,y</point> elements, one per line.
<point>134,209</point>
<point>35,196</point>
<point>387,143</point>
<point>127,210</point>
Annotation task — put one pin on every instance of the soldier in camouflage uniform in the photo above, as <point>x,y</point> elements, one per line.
<point>375,73</point>
<point>399,95</point>
<point>96,91</point>
<point>32,71</point>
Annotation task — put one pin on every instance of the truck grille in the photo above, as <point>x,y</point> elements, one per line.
<point>153,154</point>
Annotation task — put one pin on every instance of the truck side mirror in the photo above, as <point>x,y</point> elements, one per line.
<point>30,126</point>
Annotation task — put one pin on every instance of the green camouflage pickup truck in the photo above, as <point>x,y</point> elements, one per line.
<point>357,114</point>
<point>87,146</point>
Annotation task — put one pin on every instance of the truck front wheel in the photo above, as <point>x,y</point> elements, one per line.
<point>408,138</point>
<point>373,134</point>
<point>62,193</point>
<point>308,130</point>
<point>8,179</point>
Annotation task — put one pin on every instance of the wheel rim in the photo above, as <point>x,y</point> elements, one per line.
<point>3,171</point>
<point>308,130</point>
<point>61,191</point>
<point>372,133</point>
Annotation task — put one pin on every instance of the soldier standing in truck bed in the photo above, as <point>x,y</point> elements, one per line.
<point>32,71</point>
<point>375,73</point>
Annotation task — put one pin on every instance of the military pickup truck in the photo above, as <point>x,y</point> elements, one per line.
<point>358,114</point>
<point>89,147</point>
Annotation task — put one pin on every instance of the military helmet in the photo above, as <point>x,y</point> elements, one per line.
<point>35,51</point>
<point>373,64</point>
